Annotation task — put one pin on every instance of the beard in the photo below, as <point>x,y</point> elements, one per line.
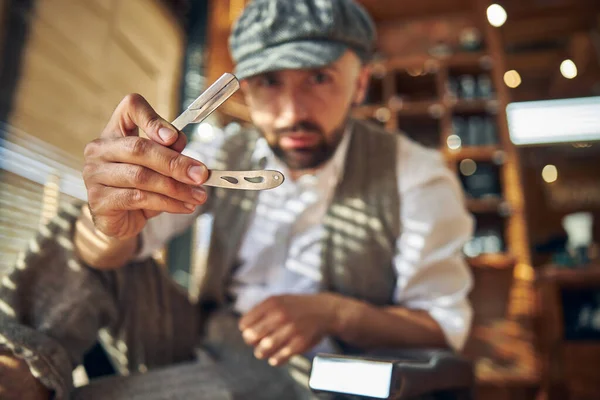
<point>317,153</point>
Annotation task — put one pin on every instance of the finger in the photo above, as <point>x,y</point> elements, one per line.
<point>133,112</point>
<point>122,175</point>
<point>254,315</point>
<point>261,328</point>
<point>297,345</point>
<point>108,200</point>
<point>180,144</point>
<point>149,154</point>
<point>271,344</point>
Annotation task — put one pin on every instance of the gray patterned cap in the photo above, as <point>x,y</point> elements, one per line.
<point>274,35</point>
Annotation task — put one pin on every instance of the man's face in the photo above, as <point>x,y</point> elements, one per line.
<point>302,113</point>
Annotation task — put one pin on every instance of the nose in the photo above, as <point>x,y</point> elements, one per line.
<point>293,108</point>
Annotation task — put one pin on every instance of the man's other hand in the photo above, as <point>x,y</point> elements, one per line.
<point>130,179</point>
<point>283,326</point>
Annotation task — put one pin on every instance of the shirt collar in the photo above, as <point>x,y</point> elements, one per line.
<point>333,167</point>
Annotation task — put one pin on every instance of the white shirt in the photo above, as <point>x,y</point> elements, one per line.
<point>280,252</point>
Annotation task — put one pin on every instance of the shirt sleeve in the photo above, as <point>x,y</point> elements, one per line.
<point>432,273</point>
<point>204,147</point>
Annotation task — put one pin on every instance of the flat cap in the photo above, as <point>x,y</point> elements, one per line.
<point>273,35</point>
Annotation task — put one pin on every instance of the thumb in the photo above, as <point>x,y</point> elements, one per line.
<point>150,214</point>
<point>135,112</point>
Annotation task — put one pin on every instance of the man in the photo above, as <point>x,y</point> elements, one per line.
<point>359,248</point>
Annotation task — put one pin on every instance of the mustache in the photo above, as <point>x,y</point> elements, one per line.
<point>306,126</point>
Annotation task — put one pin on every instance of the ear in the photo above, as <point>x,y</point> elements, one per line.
<point>362,84</point>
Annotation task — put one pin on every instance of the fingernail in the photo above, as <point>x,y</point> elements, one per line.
<point>189,206</point>
<point>166,134</point>
<point>196,173</point>
<point>199,194</point>
<point>267,343</point>
<point>248,334</point>
<point>272,362</point>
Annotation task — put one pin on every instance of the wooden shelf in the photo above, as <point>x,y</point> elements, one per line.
<point>399,63</point>
<point>582,347</point>
<point>473,106</point>
<point>426,108</point>
<point>582,276</point>
<point>492,261</point>
<point>475,153</point>
<point>504,353</point>
<point>376,111</point>
<point>500,376</point>
<point>469,59</point>
<point>366,110</point>
<point>482,206</point>
<point>462,59</point>
<point>505,378</point>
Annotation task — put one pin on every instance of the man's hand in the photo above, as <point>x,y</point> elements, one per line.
<point>283,326</point>
<point>130,179</point>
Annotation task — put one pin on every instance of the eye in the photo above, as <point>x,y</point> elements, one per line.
<point>320,77</point>
<point>268,80</point>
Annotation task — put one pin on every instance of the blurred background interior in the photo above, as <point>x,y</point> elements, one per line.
<point>508,92</point>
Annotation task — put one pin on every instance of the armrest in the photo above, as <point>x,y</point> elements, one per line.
<point>397,374</point>
<point>198,380</point>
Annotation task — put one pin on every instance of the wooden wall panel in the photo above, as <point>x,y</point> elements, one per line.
<point>154,44</point>
<point>124,72</point>
<point>83,57</point>
<point>46,39</point>
<point>103,5</point>
<point>76,23</point>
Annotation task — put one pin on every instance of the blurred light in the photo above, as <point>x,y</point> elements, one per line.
<point>233,128</point>
<point>431,66</point>
<point>417,71</point>
<point>568,69</point>
<point>512,79</point>
<point>550,173</point>
<point>454,142</point>
<point>378,70</point>
<point>468,167</point>
<point>204,132</point>
<point>436,110</point>
<point>383,114</point>
<point>496,15</point>
<point>582,145</point>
